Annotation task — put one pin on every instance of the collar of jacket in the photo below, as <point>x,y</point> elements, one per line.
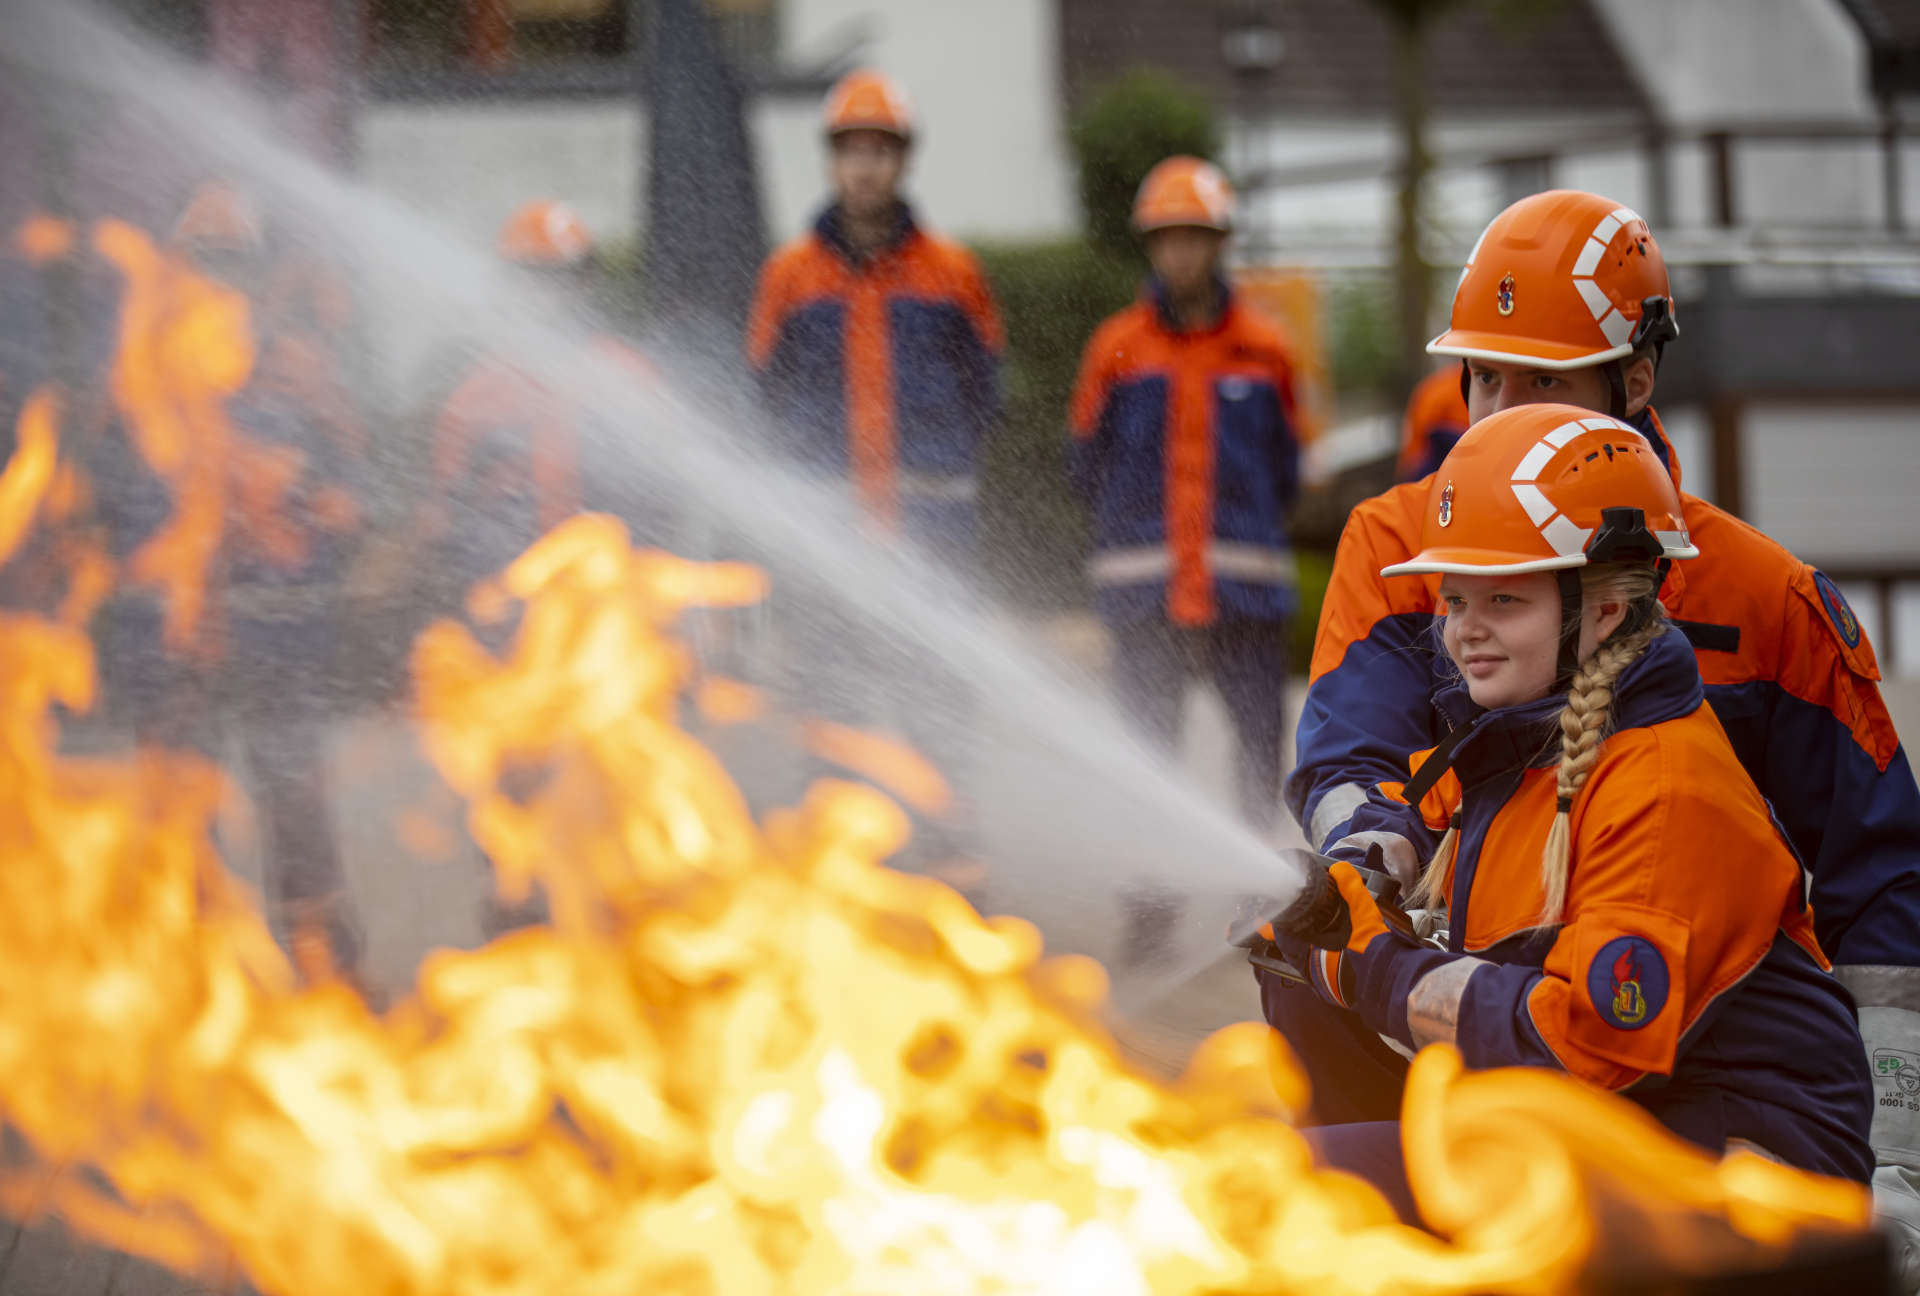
<point>1647,424</point>
<point>1156,293</point>
<point>831,231</point>
<point>1662,684</point>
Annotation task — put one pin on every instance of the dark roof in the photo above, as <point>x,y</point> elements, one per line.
<point>1892,29</point>
<point>1338,54</point>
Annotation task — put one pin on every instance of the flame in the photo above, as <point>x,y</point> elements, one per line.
<point>42,238</point>
<point>30,472</point>
<point>185,347</point>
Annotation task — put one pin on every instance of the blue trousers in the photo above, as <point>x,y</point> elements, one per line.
<point>1245,659</point>
<point>1357,1084</point>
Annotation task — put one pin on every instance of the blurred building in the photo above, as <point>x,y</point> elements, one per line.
<point>469,108</point>
<point>1771,143</point>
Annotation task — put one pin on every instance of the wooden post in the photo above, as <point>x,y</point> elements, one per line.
<point>1729,468</point>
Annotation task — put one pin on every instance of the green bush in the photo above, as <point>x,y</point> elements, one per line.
<point>1134,123</point>
<point>1052,296</point>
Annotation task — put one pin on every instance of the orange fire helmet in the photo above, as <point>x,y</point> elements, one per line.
<point>545,235</point>
<point>867,100</point>
<point>1560,280</point>
<point>220,216</point>
<point>1184,191</point>
<point>1547,487</point>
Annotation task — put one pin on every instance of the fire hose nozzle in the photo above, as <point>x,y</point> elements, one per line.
<point>1318,915</point>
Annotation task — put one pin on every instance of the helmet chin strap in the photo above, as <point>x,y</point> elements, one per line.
<point>1572,604</point>
<point>1616,374</point>
<point>1570,608</point>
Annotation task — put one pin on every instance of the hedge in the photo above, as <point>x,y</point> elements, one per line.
<point>1052,296</point>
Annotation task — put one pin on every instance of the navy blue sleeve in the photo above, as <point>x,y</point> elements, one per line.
<point>1858,826</point>
<point>1086,456</point>
<point>1360,723</point>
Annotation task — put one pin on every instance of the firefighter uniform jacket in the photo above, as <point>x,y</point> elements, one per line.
<point>1436,419</point>
<point>883,366</point>
<point>1184,448</point>
<point>1788,671</point>
<point>1685,969</point>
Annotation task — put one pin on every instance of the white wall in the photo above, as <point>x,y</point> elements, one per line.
<point>983,76</point>
<point>1716,60</point>
<point>469,165</point>
<point>1359,215</point>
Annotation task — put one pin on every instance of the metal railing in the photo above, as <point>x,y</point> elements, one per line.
<point>1728,234</point>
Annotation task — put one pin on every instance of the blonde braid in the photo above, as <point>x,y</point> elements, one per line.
<point>1584,722</point>
<point>1426,892</point>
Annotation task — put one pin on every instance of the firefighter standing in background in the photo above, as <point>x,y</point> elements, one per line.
<point>293,517</point>
<point>511,457</point>
<point>1435,419</point>
<point>876,342</point>
<point>1567,300</point>
<point>876,347</point>
<point>1184,447</point>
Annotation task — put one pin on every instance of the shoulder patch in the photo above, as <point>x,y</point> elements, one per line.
<point>1627,982</point>
<point>1835,603</point>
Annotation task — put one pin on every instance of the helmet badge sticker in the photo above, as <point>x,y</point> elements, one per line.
<point>1446,505</point>
<point>1504,299</point>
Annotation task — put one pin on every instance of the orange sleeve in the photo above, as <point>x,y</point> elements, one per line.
<point>1090,388</point>
<point>1381,531</point>
<point>768,313</point>
<point>976,298</point>
<point>1818,665</point>
<point>1679,883</point>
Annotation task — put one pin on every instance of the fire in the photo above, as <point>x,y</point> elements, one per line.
<point>42,238</point>
<point>184,350</point>
<point>744,1057</point>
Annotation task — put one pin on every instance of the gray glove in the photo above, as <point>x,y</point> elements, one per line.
<point>1889,1000</point>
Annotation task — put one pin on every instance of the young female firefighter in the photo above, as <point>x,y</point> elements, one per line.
<point>1620,902</point>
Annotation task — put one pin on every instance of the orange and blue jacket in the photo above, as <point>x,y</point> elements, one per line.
<point>1787,669</point>
<point>1436,419</point>
<point>1184,449</point>
<point>1684,970</point>
<point>883,366</point>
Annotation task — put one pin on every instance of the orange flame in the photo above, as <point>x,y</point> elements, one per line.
<point>185,348</point>
<point>42,238</point>
<point>741,1060</point>
<point>30,472</point>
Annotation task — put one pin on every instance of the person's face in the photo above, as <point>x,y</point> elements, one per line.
<point>1503,633</point>
<point>865,167</point>
<point>1185,258</point>
<point>1494,385</point>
